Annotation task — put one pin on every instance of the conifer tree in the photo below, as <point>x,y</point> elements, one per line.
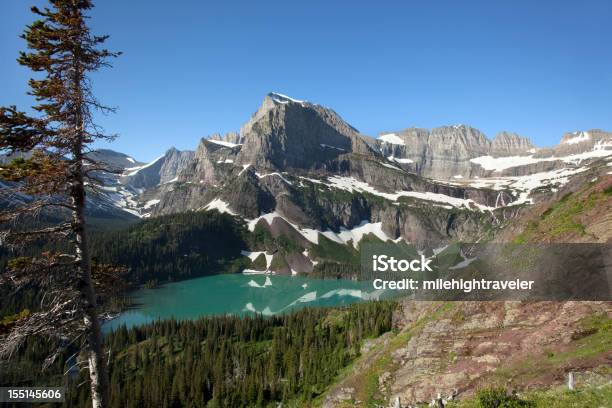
<point>49,179</point>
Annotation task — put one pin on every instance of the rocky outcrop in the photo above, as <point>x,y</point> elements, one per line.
<point>203,168</point>
<point>578,142</point>
<point>451,350</point>
<point>173,164</point>
<point>508,144</point>
<point>462,349</point>
<point>289,134</point>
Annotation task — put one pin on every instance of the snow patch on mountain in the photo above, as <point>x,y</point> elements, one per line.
<point>174,180</point>
<point>601,149</point>
<point>254,255</point>
<point>219,205</point>
<point>502,163</point>
<point>391,138</point>
<point>344,236</point>
<point>350,184</point>
<point>355,234</point>
<point>133,170</point>
<point>331,147</point>
<point>524,185</point>
<point>578,138</point>
<point>272,175</point>
<point>244,168</point>
<point>223,143</point>
<point>151,203</point>
<point>391,166</point>
<point>308,233</point>
<point>280,98</point>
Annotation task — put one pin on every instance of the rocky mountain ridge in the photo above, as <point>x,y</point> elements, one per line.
<point>297,169</point>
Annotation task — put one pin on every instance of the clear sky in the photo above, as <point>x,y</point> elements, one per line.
<point>192,68</point>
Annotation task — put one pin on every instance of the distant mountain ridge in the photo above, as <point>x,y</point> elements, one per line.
<point>446,151</point>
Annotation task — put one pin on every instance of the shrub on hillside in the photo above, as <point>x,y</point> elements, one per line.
<point>498,397</point>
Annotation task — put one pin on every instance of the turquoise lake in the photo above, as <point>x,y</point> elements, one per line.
<point>236,294</point>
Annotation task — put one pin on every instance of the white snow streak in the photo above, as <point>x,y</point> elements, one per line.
<point>350,184</point>
<point>133,170</point>
<point>601,149</point>
<point>151,203</point>
<point>219,205</point>
<point>331,147</point>
<point>223,143</point>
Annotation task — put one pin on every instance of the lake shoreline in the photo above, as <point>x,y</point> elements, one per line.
<point>234,294</point>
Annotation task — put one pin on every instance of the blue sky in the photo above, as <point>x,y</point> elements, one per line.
<point>192,68</point>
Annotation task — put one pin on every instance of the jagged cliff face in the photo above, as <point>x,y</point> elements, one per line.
<point>509,144</point>
<point>160,171</point>
<point>289,134</point>
<point>445,152</point>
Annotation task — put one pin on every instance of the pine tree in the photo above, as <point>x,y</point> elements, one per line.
<point>53,172</point>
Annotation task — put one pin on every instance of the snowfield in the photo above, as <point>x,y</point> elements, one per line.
<point>391,138</point>
<point>331,147</point>
<point>601,149</point>
<point>524,185</point>
<point>350,184</point>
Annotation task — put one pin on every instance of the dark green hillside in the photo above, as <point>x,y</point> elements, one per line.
<point>174,247</point>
